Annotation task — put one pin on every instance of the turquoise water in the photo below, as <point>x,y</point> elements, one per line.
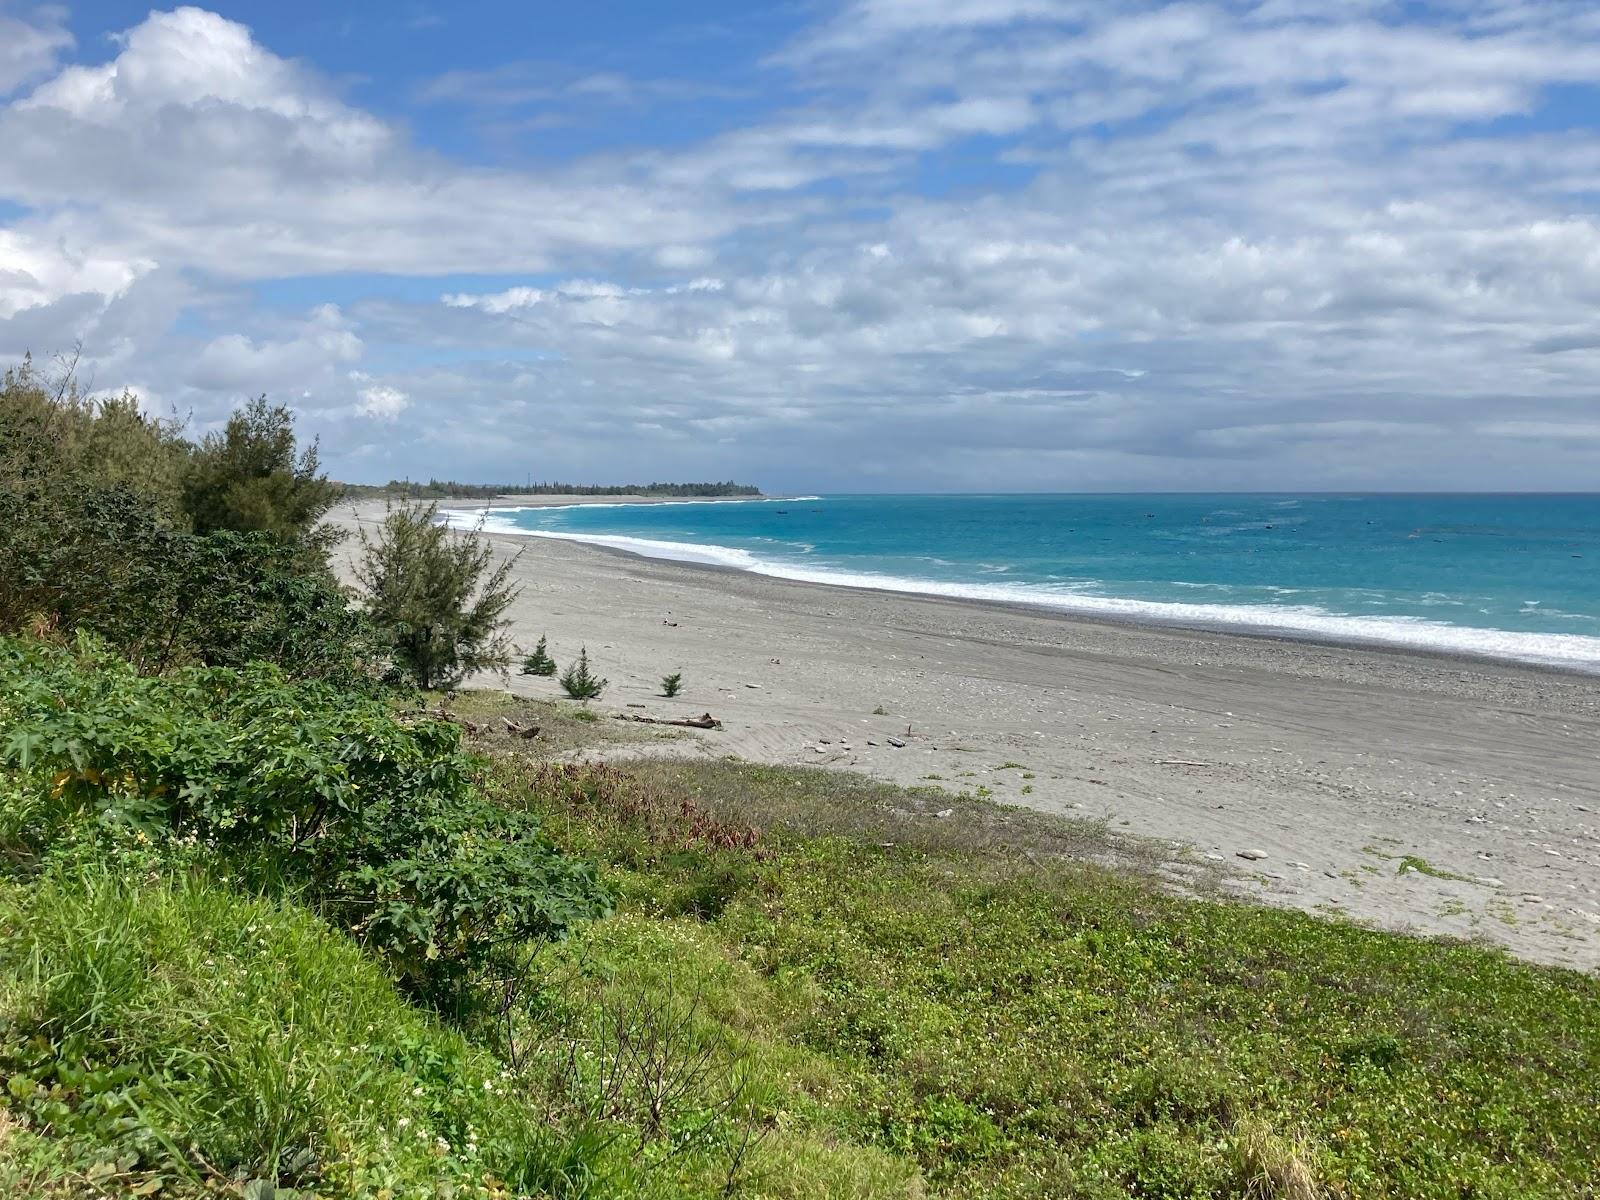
<point>1509,576</point>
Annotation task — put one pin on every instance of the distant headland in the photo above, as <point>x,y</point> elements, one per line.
<point>441,489</point>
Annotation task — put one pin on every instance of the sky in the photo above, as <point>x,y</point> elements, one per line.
<point>829,245</point>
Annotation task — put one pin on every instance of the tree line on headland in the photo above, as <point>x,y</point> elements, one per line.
<point>441,489</point>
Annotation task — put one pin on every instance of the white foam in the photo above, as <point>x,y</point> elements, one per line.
<point>1551,649</point>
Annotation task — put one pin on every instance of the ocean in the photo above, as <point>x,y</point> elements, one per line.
<point>1507,576</point>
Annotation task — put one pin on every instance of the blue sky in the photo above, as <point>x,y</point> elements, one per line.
<point>833,244</point>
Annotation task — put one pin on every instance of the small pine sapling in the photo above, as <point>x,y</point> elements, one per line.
<point>539,662</point>
<point>579,682</point>
<point>671,684</point>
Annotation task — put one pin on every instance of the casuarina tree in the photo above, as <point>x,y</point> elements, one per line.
<point>253,478</point>
<point>432,593</point>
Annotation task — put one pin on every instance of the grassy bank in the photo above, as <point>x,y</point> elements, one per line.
<point>809,985</point>
<point>1026,1027</point>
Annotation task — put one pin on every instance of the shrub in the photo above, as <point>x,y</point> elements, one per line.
<point>103,562</point>
<point>579,682</point>
<point>671,684</point>
<point>302,785</point>
<point>539,662</point>
<point>93,537</point>
<point>433,597</point>
<point>266,603</point>
<point>54,441</point>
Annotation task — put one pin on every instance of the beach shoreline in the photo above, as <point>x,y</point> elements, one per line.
<point>1202,629</point>
<point>1219,626</point>
<point>1408,788</point>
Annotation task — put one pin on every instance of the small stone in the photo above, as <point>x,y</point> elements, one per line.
<point>945,812</point>
<point>897,742</point>
<point>1252,855</point>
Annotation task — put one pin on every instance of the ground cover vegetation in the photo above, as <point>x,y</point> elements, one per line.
<point>274,924</point>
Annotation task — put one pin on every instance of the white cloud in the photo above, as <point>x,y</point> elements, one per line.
<point>1541,430</point>
<point>198,147</point>
<point>307,352</point>
<point>35,272</point>
<point>30,45</point>
<point>383,403</point>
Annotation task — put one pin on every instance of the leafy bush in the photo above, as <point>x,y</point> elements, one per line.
<point>539,662</point>
<point>265,603</point>
<point>579,682</point>
<point>431,593</point>
<point>103,562</point>
<point>375,821</point>
<point>671,684</point>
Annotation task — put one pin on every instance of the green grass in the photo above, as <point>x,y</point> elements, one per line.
<point>176,1036</point>
<point>178,1032</point>
<point>1020,1024</point>
<point>1411,862</point>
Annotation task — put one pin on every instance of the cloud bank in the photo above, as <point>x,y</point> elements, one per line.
<point>963,244</point>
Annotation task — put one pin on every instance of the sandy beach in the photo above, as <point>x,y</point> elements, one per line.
<point>1413,792</point>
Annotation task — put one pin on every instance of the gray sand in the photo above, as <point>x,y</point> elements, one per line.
<point>1332,763</point>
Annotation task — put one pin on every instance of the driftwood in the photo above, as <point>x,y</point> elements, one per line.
<point>521,731</point>
<point>705,721</point>
<point>1183,762</point>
